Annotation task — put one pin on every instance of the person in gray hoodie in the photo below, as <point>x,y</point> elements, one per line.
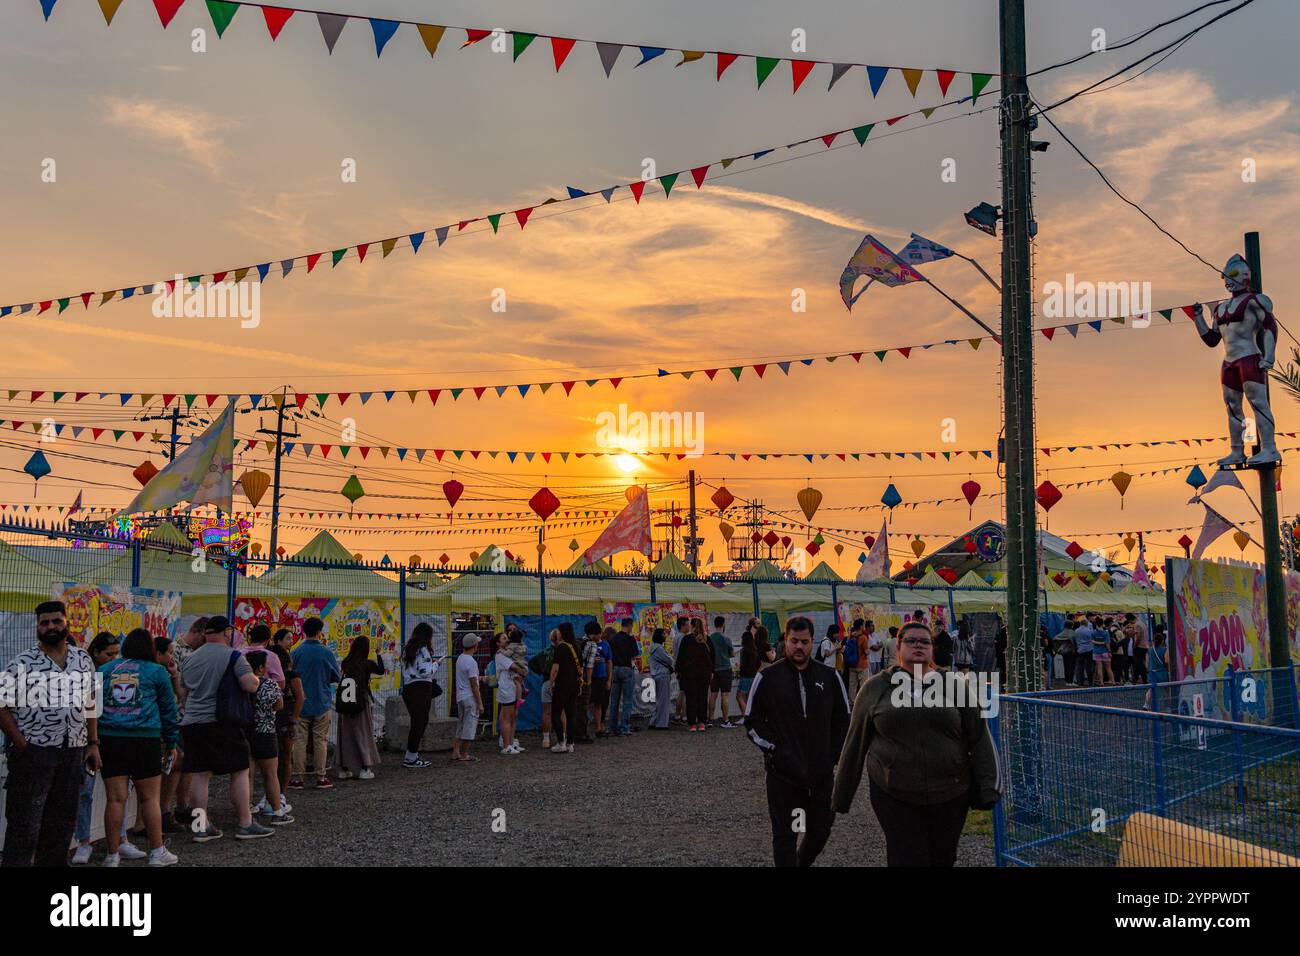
<point>661,670</point>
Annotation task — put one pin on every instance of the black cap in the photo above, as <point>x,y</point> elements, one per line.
<point>216,625</point>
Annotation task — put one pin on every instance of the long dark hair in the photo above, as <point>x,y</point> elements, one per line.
<point>138,646</point>
<point>567,635</point>
<point>421,638</point>
<point>358,655</point>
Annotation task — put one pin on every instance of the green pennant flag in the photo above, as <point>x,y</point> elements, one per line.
<point>687,375</point>
<point>321,398</point>
<point>737,370</point>
<point>63,303</point>
<point>765,65</point>
<point>521,42</point>
<point>977,83</point>
<point>862,132</point>
<point>117,435</point>
<point>495,219</point>
<point>667,182</point>
<point>337,255</point>
<point>455,393</point>
<point>343,449</point>
<point>458,452</point>
<point>189,400</point>
<point>194,280</point>
<point>222,12</point>
<point>881,355</point>
<point>1168,314</point>
<point>947,456</point>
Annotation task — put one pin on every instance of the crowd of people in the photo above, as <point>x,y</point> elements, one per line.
<point>1104,650</point>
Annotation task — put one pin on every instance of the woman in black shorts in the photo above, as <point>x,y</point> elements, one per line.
<point>139,722</point>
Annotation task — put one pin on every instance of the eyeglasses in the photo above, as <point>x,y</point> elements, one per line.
<point>917,641</point>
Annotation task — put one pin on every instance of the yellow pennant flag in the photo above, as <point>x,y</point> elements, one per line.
<point>913,78</point>
<point>689,56</point>
<point>109,9</point>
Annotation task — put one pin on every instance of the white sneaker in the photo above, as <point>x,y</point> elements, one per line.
<point>129,851</point>
<point>560,749</point>
<point>515,748</point>
<point>570,748</point>
<point>508,752</point>
<point>366,775</point>
<point>346,775</point>
<point>161,856</point>
<point>546,740</point>
<point>261,807</point>
<point>81,856</point>
<point>284,805</point>
<point>112,860</point>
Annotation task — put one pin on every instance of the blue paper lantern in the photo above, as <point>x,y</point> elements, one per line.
<point>891,498</point>
<point>37,466</point>
<point>862,557</point>
<point>1197,477</point>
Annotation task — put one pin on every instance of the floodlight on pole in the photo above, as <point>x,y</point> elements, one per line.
<point>984,217</point>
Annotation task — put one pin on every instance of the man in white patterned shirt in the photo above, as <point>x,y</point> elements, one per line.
<point>47,715</point>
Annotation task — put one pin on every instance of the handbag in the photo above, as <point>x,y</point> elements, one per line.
<point>359,696</point>
<point>234,704</point>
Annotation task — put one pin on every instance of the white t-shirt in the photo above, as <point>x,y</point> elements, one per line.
<point>505,678</point>
<point>826,653</point>
<point>875,648</point>
<point>466,675</point>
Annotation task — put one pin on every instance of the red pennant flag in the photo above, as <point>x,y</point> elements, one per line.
<point>945,78</point>
<point>325,449</point>
<point>361,251</point>
<point>433,395</point>
<point>710,372</point>
<point>478,392</point>
<point>1190,311</point>
<point>829,138</point>
<point>276,18</point>
<point>45,305</point>
<point>343,397</point>
<point>637,188</point>
<point>79,396</point>
<point>300,398</point>
<point>313,259</point>
<point>473,36</point>
<point>568,386</point>
<point>1048,333</point>
<point>891,122</point>
<point>211,399</point>
<point>560,49</point>
<point>799,70</point>
<point>365,450</point>
<point>906,351</point>
<point>522,215</point>
<point>85,298</point>
<point>166,10</point>
<point>96,432</point>
<point>725,60</point>
<point>698,174</point>
<point>615,381</point>
<point>760,369</point>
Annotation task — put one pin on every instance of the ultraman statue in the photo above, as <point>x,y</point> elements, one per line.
<point>1248,331</point>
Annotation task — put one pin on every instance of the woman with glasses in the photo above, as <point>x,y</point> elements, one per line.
<point>927,752</point>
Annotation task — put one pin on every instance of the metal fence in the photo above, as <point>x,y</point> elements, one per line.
<point>1129,776</point>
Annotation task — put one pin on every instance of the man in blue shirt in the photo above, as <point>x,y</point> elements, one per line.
<point>318,668</point>
<point>1083,638</point>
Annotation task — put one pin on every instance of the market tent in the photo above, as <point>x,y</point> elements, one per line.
<point>167,563</point>
<point>823,574</point>
<point>929,589</point>
<point>676,583</point>
<point>598,582</point>
<point>492,585</point>
<point>327,571</point>
<point>778,593</point>
<point>985,597</point>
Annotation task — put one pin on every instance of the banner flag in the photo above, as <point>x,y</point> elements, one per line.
<point>201,474</point>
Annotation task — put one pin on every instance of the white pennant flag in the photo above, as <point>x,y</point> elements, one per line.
<point>1215,527</point>
<point>877,564</point>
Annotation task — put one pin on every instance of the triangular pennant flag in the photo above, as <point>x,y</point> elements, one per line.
<point>521,42</point>
<point>109,9</point>
<point>47,7</point>
<point>286,266</point>
<point>276,18</point>
<point>945,78</point>
<point>416,240</point>
<point>837,71</point>
<point>667,182</point>
<point>698,174</point>
<point>690,56</point>
<point>862,132</point>
<point>608,54</point>
<point>441,233</point>
<point>166,10</point>
<point>431,35</point>
<point>521,215</point>
<point>560,49</point>
<point>876,77</point>
<point>763,67</point>
<point>222,12</point>
<point>337,255</point>
<point>495,219</point>
<point>977,83</point>
<point>799,70</point>
<point>725,60</point>
<point>913,78</point>
<point>386,247</point>
<point>361,251</point>
<point>331,25</point>
<point>474,36</point>
<point>637,188</point>
<point>608,193</point>
<point>649,53</point>
<point>383,30</point>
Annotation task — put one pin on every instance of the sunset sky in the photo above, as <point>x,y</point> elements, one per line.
<point>174,162</point>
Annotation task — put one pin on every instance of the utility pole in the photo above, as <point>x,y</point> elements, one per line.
<point>176,414</point>
<point>1279,649</point>
<point>275,481</point>
<point>694,548</point>
<point>1018,356</point>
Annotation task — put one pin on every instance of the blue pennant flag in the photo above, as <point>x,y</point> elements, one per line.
<point>876,76</point>
<point>384,30</point>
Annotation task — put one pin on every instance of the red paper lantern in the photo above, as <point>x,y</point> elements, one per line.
<point>1073,550</point>
<point>144,471</point>
<point>786,541</point>
<point>677,521</point>
<point>948,574</point>
<point>444,558</point>
<point>452,489</point>
<point>1185,542</point>
<point>544,503</point>
<point>907,565</point>
<point>756,537</point>
<point>970,491</point>
<point>812,548</point>
<point>722,498</point>
<point>869,540</point>
<point>770,539</point>
<point>1048,495</point>
<point>969,545</point>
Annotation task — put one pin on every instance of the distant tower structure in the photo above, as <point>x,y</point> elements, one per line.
<point>742,551</point>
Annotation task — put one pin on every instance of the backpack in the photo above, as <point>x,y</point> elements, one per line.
<point>234,704</point>
<point>359,699</point>
<point>851,650</point>
<point>541,662</point>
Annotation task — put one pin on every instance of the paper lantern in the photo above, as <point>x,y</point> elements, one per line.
<point>812,548</point>
<point>1196,478</point>
<point>352,491</point>
<point>869,540</point>
<point>280,551</point>
<point>907,565</point>
<point>770,539</point>
<point>948,574</point>
<point>413,560</point>
<point>444,558</point>
<point>1048,495</point>
<point>970,491</point>
<point>810,500</point>
<point>37,466</point>
<point>1184,542</point>
<point>1073,549</point>
<point>544,503</point>
<point>473,556</point>
<point>786,541</point>
<point>756,537</point>
<point>257,548</point>
<point>918,546</point>
<point>142,472</point>
<point>1121,480</point>
<point>677,521</point>
<point>891,499</point>
<point>839,550</point>
<point>254,484</point>
<point>357,557</point>
<point>1130,543</point>
<point>969,545</point>
<point>722,498</point>
<point>452,490</point>
<point>573,545</point>
<point>727,531</point>
<point>632,492</point>
<point>1242,540</point>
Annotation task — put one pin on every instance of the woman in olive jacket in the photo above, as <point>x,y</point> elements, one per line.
<point>928,760</point>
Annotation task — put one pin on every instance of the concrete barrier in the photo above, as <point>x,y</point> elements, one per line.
<point>397,724</point>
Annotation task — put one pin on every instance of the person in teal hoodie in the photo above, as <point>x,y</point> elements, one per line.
<point>138,725</point>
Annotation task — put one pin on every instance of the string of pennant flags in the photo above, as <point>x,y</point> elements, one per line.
<point>306,449</point>
<point>260,401</point>
<point>416,240</point>
<point>516,42</point>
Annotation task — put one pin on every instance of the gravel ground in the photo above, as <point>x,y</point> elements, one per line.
<point>653,799</point>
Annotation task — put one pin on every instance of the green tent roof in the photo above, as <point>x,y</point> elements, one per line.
<point>823,574</point>
<point>671,566</point>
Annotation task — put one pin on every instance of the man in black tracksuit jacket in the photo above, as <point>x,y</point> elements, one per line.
<point>798,715</point>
